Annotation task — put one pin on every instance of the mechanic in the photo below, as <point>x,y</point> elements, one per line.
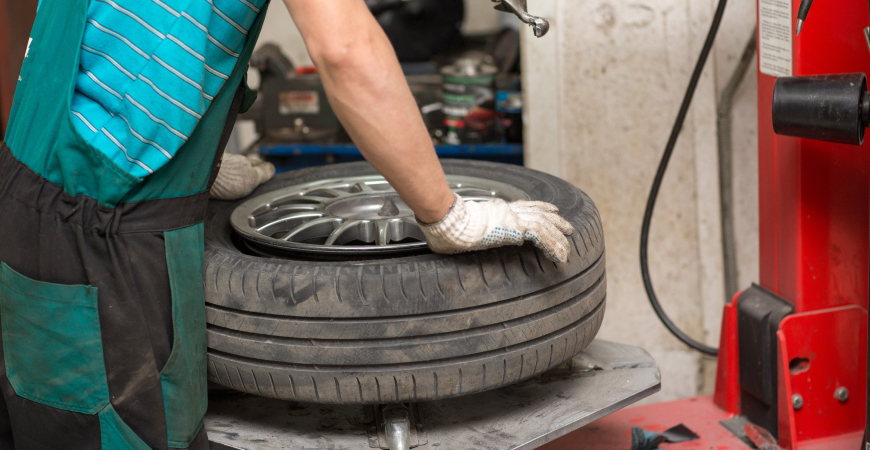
<point>120,116</point>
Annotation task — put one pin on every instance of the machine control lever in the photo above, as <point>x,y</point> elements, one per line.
<point>518,7</point>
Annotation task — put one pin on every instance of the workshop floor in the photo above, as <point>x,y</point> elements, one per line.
<point>699,414</point>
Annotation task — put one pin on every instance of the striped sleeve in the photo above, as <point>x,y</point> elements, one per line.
<point>150,70</point>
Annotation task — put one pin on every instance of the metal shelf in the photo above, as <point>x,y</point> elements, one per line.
<point>297,156</point>
<point>351,150</point>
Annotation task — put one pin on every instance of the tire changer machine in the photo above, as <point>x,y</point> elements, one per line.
<point>793,350</point>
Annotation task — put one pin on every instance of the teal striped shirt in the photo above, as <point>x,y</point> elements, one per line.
<point>149,71</point>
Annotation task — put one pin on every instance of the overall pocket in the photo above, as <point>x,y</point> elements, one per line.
<point>52,344</point>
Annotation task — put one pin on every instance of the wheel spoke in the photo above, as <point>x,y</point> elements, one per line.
<point>412,229</point>
<point>327,194</point>
<point>299,207</point>
<point>294,200</point>
<point>363,188</point>
<point>310,226</point>
<point>287,221</point>
<point>378,187</point>
<point>383,232</point>
<point>341,229</point>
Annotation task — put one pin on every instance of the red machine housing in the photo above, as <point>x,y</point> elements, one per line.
<point>814,206</point>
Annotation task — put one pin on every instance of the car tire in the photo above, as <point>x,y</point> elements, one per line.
<point>384,329</point>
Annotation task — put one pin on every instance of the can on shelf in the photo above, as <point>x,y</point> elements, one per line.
<point>469,99</point>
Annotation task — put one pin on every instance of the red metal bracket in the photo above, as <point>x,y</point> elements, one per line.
<point>727,394</point>
<point>822,375</point>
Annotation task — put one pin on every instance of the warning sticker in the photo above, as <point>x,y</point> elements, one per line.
<point>775,34</point>
<point>299,102</point>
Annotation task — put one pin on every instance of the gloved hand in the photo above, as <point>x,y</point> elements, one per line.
<point>482,225</point>
<point>239,175</point>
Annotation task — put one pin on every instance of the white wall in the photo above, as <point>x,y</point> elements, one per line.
<point>602,91</point>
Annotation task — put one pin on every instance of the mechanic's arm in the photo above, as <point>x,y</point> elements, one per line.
<point>369,94</point>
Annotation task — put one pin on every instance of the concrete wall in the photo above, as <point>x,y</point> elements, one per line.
<point>602,91</point>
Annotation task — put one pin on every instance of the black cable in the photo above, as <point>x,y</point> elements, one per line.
<point>657,183</point>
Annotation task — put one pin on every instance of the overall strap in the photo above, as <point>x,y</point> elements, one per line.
<point>228,130</point>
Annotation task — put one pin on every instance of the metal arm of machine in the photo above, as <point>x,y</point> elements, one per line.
<point>518,7</point>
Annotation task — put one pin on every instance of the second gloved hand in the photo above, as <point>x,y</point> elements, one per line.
<point>472,226</point>
<point>239,175</point>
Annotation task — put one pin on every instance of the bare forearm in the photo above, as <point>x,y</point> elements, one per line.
<point>370,96</point>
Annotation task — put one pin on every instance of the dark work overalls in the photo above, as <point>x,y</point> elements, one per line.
<point>101,290</point>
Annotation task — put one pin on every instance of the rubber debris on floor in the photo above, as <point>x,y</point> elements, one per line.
<point>647,440</point>
<point>614,432</point>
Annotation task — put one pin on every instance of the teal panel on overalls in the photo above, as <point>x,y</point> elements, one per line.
<point>63,379</point>
<point>185,371</point>
<point>41,135</point>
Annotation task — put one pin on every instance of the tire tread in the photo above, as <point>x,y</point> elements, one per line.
<point>515,367</point>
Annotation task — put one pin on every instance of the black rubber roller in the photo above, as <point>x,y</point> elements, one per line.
<point>834,108</point>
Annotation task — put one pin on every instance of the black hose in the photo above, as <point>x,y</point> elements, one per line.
<point>657,183</point>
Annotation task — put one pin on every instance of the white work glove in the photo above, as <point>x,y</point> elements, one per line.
<point>472,226</point>
<point>239,175</point>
